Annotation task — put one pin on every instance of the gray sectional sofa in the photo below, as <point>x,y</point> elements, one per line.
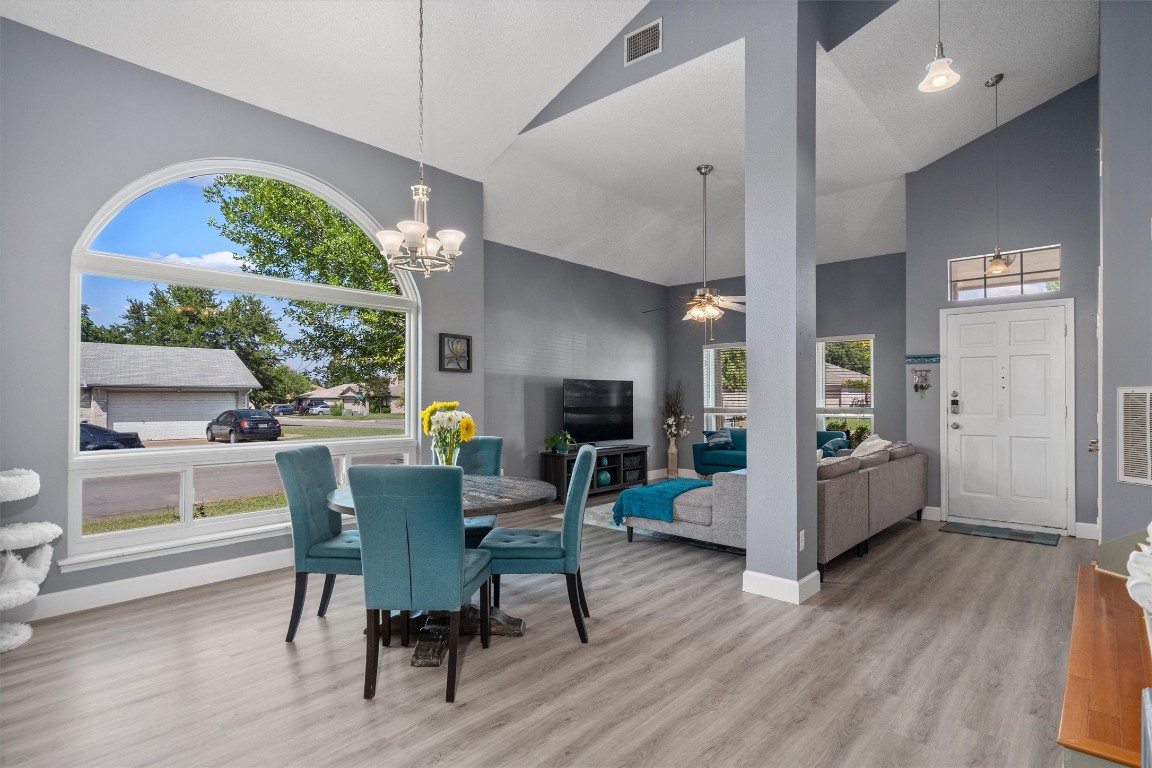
<point>855,499</point>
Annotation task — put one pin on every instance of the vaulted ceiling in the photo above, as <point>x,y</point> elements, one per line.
<point>611,185</point>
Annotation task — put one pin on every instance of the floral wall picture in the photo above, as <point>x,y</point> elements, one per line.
<point>455,352</point>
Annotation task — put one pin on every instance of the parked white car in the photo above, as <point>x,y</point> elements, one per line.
<point>320,410</point>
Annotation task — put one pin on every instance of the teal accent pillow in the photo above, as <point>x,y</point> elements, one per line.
<point>835,444</point>
<point>720,441</point>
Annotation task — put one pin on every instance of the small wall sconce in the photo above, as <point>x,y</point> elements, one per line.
<point>920,380</point>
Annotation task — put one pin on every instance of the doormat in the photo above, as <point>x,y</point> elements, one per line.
<point>992,532</point>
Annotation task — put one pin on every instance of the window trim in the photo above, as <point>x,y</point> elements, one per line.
<point>1014,297</point>
<point>120,546</point>
<point>823,411</point>
<point>711,412</point>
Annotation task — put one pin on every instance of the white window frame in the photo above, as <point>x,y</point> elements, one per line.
<point>712,413</point>
<point>191,533</point>
<point>1042,295</point>
<point>823,412</point>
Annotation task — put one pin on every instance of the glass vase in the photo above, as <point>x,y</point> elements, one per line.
<point>445,455</point>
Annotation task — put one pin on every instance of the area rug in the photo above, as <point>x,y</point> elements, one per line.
<point>601,517</point>
<point>992,532</point>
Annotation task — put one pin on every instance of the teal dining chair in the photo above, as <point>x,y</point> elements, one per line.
<point>524,550</point>
<point>479,456</point>
<point>319,543</point>
<point>412,545</point>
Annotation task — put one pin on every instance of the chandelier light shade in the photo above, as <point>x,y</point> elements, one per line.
<point>940,75</point>
<point>408,247</point>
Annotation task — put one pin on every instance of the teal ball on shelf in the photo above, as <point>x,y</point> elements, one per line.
<point>603,478</point>
<point>603,461</point>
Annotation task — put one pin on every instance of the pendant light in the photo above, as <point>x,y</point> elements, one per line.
<point>999,265</point>
<point>940,75</point>
<point>408,247</point>
<point>704,306</point>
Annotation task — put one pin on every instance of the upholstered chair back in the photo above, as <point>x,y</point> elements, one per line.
<point>572,530</point>
<point>308,478</point>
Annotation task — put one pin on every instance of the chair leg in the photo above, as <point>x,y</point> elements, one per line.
<point>574,601</point>
<point>372,654</point>
<point>495,590</point>
<point>297,605</point>
<point>329,583</point>
<point>580,590</point>
<point>485,616</point>
<point>386,629</point>
<point>453,646</point>
<point>629,533</point>
<point>405,620</point>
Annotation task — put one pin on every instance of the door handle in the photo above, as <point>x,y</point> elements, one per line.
<point>1094,446</point>
<point>955,425</point>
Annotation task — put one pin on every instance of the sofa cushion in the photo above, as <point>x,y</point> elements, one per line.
<point>901,449</point>
<point>871,445</point>
<point>874,459</point>
<point>721,440</point>
<point>734,459</point>
<point>836,466</point>
<point>694,506</point>
<point>835,444</point>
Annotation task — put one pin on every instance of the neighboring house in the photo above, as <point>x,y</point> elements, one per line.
<point>837,395</point>
<point>352,396</point>
<point>164,393</point>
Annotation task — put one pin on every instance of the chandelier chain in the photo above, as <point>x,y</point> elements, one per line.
<point>420,129</point>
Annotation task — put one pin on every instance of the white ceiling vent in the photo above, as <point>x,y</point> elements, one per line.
<point>643,42</point>
<point>1135,406</point>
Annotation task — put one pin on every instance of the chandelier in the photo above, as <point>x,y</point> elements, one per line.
<point>408,247</point>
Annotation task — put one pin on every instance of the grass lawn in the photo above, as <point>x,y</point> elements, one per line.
<point>309,431</point>
<point>172,515</point>
<point>351,417</point>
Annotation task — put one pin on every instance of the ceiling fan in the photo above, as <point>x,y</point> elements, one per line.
<point>704,305</point>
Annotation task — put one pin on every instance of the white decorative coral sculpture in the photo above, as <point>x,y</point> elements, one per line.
<point>20,578</point>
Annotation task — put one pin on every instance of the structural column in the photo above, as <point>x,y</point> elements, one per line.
<point>780,267</point>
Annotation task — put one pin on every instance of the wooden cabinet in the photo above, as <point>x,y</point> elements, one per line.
<point>626,466</point>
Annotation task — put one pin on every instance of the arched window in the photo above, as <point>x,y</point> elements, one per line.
<point>225,310</point>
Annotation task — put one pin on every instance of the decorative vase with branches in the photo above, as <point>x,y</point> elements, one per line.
<point>674,422</point>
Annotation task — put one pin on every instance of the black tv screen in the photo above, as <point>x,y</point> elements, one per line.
<point>597,410</point>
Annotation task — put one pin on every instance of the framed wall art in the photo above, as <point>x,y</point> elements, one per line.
<point>455,353</point>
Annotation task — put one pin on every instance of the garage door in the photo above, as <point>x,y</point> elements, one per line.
<point>166,415</point>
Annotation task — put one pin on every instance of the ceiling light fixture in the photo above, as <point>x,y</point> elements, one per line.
<point>408,247</point>
<point>704,306</point>
<point>999,264</point>
<point>940,75</point>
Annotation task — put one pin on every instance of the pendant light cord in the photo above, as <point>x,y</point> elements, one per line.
<point>704,176</point>
<point>996,113</point>
<point>939,36</point>
<point>420,128</point>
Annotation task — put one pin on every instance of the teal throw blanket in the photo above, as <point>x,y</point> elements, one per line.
<point>653,501</point>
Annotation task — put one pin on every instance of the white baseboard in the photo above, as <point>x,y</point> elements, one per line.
<point>932,513</point>
<point>778,588</point>
<point>1087,531</point>
<point>99,595</point>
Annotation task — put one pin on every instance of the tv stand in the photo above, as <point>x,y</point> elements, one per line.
<point>627,467</point>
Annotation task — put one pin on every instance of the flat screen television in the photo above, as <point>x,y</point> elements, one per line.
<point>596,410</point>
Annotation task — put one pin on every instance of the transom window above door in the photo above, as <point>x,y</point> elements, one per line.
<point>1025,272</point>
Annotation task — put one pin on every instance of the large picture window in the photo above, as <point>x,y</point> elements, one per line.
<point>725,386</point>
<point>845,385</point>
<point>219,319</point>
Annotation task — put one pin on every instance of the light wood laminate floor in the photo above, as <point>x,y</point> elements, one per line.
<point>933,650</point>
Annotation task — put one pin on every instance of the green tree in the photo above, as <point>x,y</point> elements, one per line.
<point>90,331</point>
<point>853,355</point>
<point>290,233</point>
<point>286,384</point>
<point>734,369</point>
<point>183,316</point>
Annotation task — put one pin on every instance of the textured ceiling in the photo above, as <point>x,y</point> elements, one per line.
<point>612,185</point>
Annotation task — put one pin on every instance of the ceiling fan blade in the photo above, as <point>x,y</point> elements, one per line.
<point>735,307</point>
<point>658,309</point>
<point>741,299</point>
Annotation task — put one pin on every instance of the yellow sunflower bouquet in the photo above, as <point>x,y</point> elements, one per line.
<point>448,428</point>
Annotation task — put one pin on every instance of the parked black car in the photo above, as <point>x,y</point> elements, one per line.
<point>235,426</point>
<point>94,438</point>
<point>282,410</point>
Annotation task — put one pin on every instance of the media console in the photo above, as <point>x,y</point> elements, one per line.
<point>626,465</point>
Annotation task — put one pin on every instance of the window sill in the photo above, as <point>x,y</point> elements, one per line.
<point>163,548</point>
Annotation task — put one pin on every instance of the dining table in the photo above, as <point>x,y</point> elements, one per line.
<point>482,495</point>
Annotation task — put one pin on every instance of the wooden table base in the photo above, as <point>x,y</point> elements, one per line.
<point>432,636</point>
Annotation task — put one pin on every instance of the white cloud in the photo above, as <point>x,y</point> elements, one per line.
<point>218,260</point>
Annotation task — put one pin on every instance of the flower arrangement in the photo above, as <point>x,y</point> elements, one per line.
<point>675,420</point>
<point>448,428</point>
<point>1140,575</point>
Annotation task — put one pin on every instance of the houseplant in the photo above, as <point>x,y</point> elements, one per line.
<point>675,425</point>
<point>559,442</point>
<point>448,428</point>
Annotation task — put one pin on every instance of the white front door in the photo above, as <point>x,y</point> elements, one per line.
<point>1005,403</point>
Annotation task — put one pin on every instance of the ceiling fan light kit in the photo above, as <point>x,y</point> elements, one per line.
<point>704,306</point>
<point>408,247</point>
<point>940,75</point>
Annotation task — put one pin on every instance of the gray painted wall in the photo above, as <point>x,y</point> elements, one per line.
<point>1048,194</point>
<point>78,126</point>
<point>1126,204</point>
<point>867,296</point>
<point>547,320</point>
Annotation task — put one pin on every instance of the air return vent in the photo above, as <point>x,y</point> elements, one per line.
<point>643,42</point>
<point>1135,405</point>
